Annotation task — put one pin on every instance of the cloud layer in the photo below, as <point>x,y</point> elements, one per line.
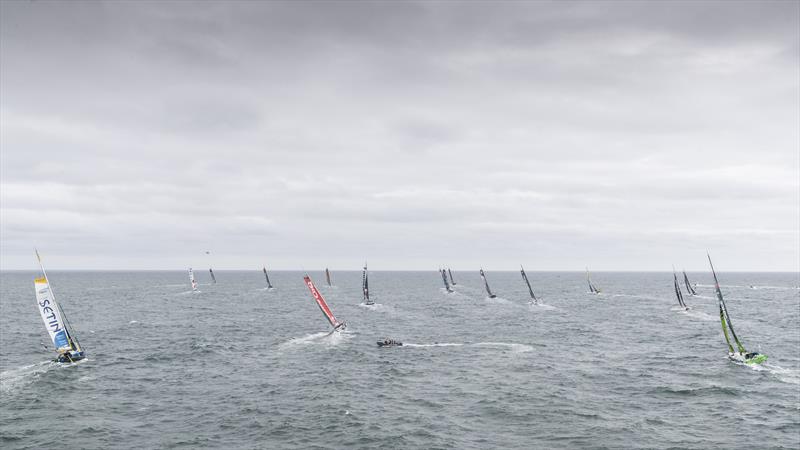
<point>619,135</point>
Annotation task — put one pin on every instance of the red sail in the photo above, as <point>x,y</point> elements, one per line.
<point>321,302</point>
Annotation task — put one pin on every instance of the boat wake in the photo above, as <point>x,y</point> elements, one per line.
<point>541,306</point>
<point>15,378</point>
<point>373,307</point>
<point>189,293</point>
<point>700,315</point>
<point>323,338</point>
<point>514,347</point>
<point>500,301</point>
<point>791,376</point>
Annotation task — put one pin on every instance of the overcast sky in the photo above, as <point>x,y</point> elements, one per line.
<point>615,135</point>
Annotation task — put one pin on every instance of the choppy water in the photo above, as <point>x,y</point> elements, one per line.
<point>236,366</point>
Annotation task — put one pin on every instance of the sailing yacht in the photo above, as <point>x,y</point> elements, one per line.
<point>740,354</point>
<point>61,334</point>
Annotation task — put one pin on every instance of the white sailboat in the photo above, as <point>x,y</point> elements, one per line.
<point>192,280</point>
<point>55,321</point>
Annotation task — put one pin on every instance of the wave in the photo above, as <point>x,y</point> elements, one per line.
<point>700,315</point>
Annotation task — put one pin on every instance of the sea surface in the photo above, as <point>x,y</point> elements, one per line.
<point>237,366</point>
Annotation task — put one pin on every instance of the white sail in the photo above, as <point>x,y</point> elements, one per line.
<point>51,315</point>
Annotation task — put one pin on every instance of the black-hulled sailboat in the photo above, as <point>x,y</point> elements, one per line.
<point>328,276</point>
<point>678,292</point>
<point>592,288</point>
<point>486,284</point>
<point>61,334</point>
<point>689,289</point>
<point>534,300</point>
<point>266,275</point>
<point>452,281</point>
<point>213,278</point>
<point>444,279</point>
<point>740,354</point>
<point>365,286</point>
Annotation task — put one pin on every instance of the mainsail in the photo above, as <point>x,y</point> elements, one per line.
<point>724,317</point>
<point>55,321</point>
<point>592,288</point>
<point>192,280</point>
<point>266,275</point>
<point>452,281</point>
<point>326,311</point>
<point>444,278</point>
<point>328,276</point>
<point>365,286</point>
<point>530,289</point>
<point>689,287</point>
<point>678,292</point>
<point>486,284</point>
<point>213,278</point>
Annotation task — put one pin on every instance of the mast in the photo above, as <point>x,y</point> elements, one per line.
<point>525,277</point>
<point>723,313</point>
<point>269,285</point>
<point>689,288</point>
<point>486,284</point>
<point>365,285</point>
<point>444,278</point>
<point>451,277</point>
<point>328,276</point>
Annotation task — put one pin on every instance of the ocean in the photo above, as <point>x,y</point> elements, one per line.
<point>236,366</point>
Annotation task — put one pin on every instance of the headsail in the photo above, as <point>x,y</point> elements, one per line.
<point>55,321</point>
<point>723,315</point>
<point>266,275</point>
<point>444,278</point>
<point>530,289</point>
<point>213,278</point>
<point>452,281</point>
<point>678,292</point>
<point>192,280</point>
<point>689,287</point>
<point>486,284</point>
<point>323,306</point>
<point>365,285</point>
<point>328,276</point>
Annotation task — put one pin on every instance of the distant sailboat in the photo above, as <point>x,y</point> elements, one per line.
<point>678,292</point>
<point>742,355</point>
<point>266,275</point>
<point>365,286</point>
<point>444,278</point>
<point>55,321</point>
<point>534,300</point>
<point>486,284</point>
<point>452,281</point>
<point>689,288</point>
<point>328,276</point>
<point>323,306</point>
<point>192,280</point>
<point>592,288</point>
<point>211,272</point>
